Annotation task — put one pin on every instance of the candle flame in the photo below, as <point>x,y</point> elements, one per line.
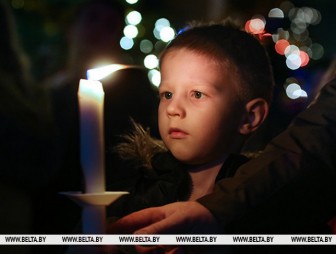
<point>102,72</point>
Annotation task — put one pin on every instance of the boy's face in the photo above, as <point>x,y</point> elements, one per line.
<point>199,113</point>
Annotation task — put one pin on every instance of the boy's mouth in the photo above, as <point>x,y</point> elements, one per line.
<point>176,133</point>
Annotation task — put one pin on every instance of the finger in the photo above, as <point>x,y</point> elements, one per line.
<point>167,225</point>
<point>135,221</point>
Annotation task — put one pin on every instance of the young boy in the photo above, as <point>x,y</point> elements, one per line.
<point>214,93</point>
<point>216,85</point>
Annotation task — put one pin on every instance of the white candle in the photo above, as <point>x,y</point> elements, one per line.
<point>91,106</point>
<point>92,156</point>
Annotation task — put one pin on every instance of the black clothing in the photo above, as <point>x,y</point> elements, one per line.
<point>168,181</point>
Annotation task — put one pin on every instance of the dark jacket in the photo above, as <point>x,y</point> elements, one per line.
<point>166,181</point>
<point>290,188</point>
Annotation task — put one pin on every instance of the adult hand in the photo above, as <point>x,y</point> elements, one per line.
<point>187,217</point>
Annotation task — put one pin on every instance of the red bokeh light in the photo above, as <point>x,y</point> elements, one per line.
<point>280,46</point>
<point>304,58</point>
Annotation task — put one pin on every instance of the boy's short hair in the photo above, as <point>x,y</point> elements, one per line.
<point>232,48</point>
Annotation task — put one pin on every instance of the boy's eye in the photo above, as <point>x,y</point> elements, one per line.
<point>198,94</point>
<point>167,95</point>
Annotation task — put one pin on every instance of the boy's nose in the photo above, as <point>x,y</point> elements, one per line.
<point>176,108</point>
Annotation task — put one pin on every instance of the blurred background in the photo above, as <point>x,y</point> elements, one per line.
<point>43,25</point>
<point>306,26</point>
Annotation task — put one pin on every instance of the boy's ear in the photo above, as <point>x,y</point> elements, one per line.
<point>256,111</point>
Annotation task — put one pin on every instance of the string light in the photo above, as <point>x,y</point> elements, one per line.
<point>294,43</point>
<point>162,32</point>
